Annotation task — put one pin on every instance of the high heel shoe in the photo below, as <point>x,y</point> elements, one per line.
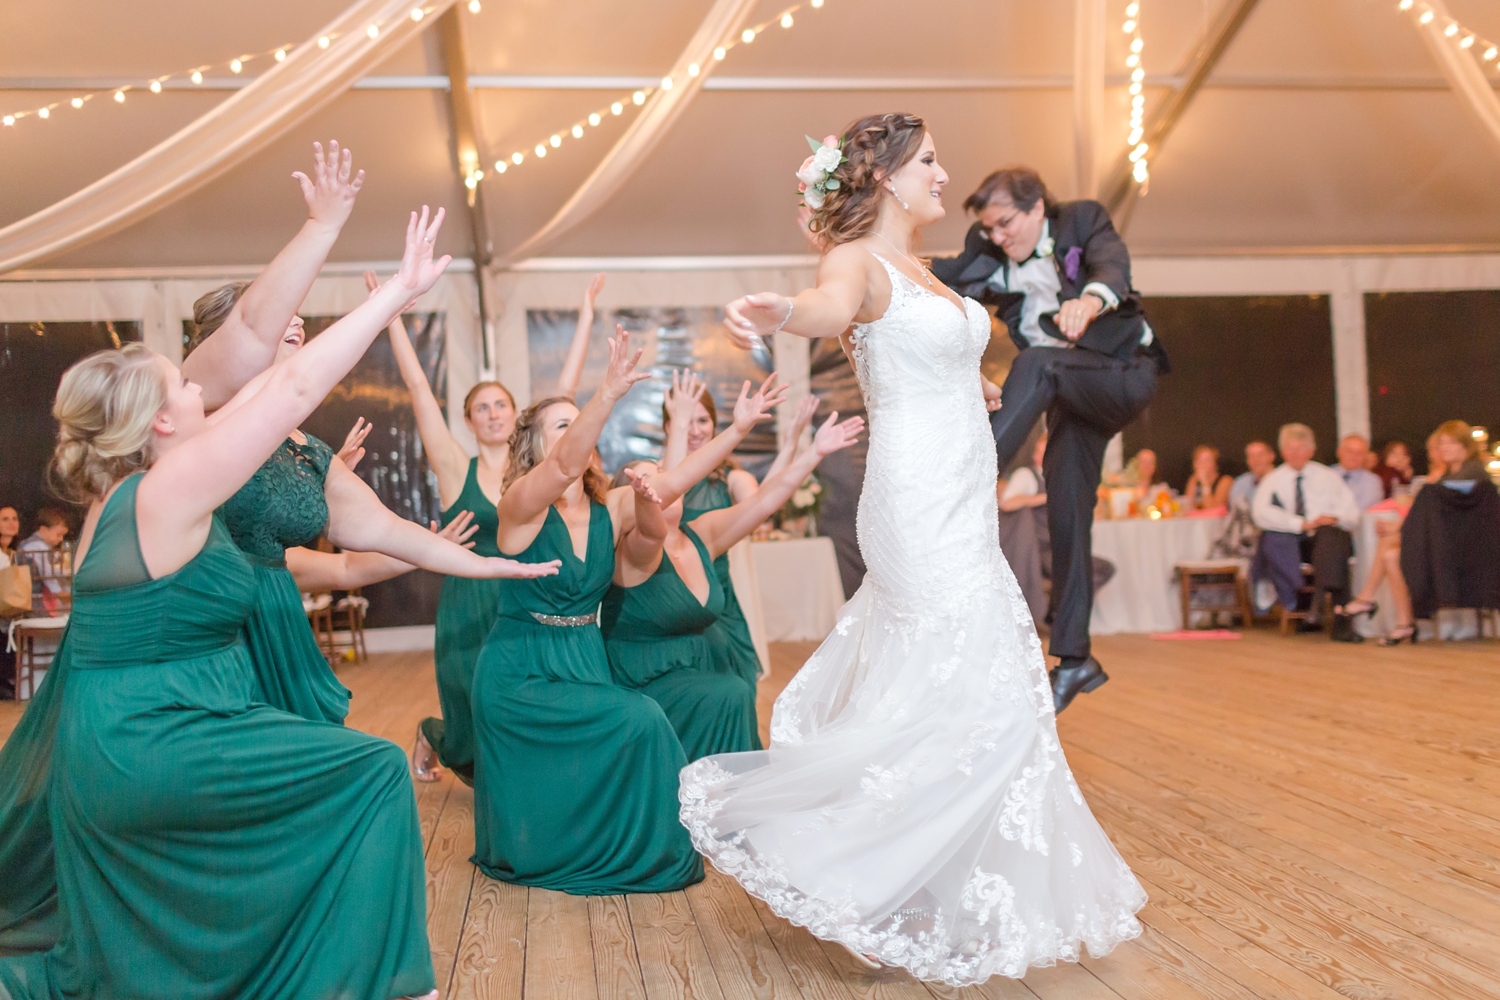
<point>1400,635</point>
<point>1370,608</point>
<point>424,760</point>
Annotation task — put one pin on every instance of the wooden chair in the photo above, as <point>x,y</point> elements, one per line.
<point>24,632</point>
<point>1223,578</point>
<point>353,607</point>
<point>1306,594</point>
<point>319,608</point>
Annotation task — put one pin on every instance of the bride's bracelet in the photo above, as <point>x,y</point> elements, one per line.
<point>790,305</point>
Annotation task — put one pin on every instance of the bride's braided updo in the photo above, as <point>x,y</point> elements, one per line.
<point>876,147</point>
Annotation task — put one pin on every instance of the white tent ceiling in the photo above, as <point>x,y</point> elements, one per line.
<point>1325,125</point>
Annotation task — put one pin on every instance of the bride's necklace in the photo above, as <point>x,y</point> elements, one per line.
<point>921,269</point>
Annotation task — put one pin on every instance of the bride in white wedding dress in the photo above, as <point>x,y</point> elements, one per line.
<point>915,804</point>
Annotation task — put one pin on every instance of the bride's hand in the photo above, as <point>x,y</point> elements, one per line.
<point>991,394</point>
<point>755,317</point>
<point>832,437</point>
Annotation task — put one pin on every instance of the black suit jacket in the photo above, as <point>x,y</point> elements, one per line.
<point>1086,249</point>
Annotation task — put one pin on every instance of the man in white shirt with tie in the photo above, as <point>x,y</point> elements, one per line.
<point>1306,514</point>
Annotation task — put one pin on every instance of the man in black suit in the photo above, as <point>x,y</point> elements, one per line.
<point>1059,276</point>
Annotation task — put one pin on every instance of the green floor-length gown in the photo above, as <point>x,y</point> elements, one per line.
<point>575,782</point>
<point>207,845</point>
<point>729,637</point>
<point>654,637</point>
<point>281,506</point>
<point>466,612</point>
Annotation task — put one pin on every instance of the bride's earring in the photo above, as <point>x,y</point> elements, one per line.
<point>892,190</point>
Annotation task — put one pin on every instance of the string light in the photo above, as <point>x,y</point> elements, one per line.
<point>195,75</point>
<point>1464,37</point>
<point>1132,27</point>
<point>617,107</point>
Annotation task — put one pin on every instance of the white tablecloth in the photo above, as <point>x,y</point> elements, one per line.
<point>799,587</point>
<point>1143,595</point>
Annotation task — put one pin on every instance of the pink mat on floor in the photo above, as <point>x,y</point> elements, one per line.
<point>1210,633</point>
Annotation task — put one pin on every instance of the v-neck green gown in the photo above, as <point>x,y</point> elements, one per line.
<point>281,506</point>
<point>466,612</point>
<point>654,637</point>
<point>729,637</point>
<point>207,845</point>
<point>575,783</point>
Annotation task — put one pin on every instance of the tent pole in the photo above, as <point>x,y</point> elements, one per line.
<point>466,160</point>
<point>1088,95</point>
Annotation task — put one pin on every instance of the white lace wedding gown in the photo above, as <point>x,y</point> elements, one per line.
<point>915,803</point>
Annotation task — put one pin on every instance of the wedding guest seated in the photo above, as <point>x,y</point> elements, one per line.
<point>1450,541</point>
<point>1306,514</point>
<point>1206,488</point>
<point>51,529</point>
<point>1142,469</point>
<point>1367,488</point>
<point>1394,467</point>
<point>10,527</point>
<point>1260,459</point>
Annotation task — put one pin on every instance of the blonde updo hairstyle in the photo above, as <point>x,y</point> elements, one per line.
<point>211,309</point>
<point>105,407</point>
<point>528,449</point>
<point>876,146</point>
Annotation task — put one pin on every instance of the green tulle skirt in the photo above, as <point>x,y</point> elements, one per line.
<point>466,612</point>
<point>290,670</point>
<point>576,783</point>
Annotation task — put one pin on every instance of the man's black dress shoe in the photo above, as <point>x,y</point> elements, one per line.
<point>1071,679</point>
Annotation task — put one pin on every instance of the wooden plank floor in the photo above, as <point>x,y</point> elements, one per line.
<point>1310,820</point>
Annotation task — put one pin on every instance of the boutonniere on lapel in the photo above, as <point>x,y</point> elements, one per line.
<point>1044,246</point>
<point>1071,260</point>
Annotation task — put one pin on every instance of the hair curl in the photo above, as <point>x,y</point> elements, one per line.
<point>105,406</point>
<point>211,309</point>
<point>528,448</point>
<point>876,147</point>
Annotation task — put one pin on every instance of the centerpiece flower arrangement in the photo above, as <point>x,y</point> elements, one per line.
<point>798,517</point>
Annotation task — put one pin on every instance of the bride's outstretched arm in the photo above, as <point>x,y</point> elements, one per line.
<point>825,310</point>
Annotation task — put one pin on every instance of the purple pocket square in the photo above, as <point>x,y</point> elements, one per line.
<point>1071,260</point>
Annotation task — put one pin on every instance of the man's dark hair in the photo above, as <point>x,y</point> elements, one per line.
<point>1022,185</point>
<point>48,517</point>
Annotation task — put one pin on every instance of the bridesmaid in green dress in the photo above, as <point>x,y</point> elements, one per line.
<point>689,418</point>
<point>575,776</point>
<point>207,845</point>
<point>654,623</point>
<point>467,608</point>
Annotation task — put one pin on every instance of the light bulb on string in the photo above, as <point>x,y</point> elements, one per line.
<point>817,3</point>
<point>44,112</point>
<point>77,102</point>
<point>1129,27</point>
<point>281,55</point>
<point>8,120</point>
<point>666,83</point>
<point>1490,53</point>
<point>639,97</point>
<point>578,131</point>
<point>417,13</point>
<point>1467,43</point>
<point>501,167</point>
<point>1135,88</point>
<point>594,118</point>
<point>197,77</point>
<point>119,97</point>
<point>473,6</point>
<point>156,86</point>
<point>556,141</point>
<point>1137,45</point>
<point>1133,10</point>
<point>616,108</point>
<point>541,150</point>
<point>373,31</point>
<point>1451,30</point>
<point>719,52</point>
<point>786,19</point>
<point>693,69</point>
<point>235,65</point>
<point>516,158</point>
<point>747,36</point>
<point>1132,60</point>
<point>323,42</point>
<point>1140,172</point>
<point>1426,17</point>
<point>1404,5</point>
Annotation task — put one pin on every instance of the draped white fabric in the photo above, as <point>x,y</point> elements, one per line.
<point>1463,73</point>
<point>662,108</point>
<point>284,95</point>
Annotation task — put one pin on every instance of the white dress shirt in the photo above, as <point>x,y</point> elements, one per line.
<point>1036,278</point>
<point>1243,490</point>
<point>1324,494</point>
